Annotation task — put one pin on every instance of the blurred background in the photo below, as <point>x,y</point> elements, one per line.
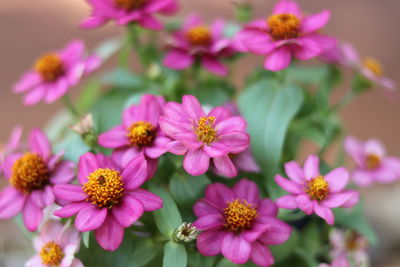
<point>30,28</point>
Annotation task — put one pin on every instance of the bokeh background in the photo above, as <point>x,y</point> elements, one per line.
<point>30,28</point>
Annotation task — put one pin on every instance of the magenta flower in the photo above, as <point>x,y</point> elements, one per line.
<point>56,246</point>
<point>314,193</point>
<point>31,177</point>
<point>238,224</point>
<point>55,72</point>
<point>139,133</point>
<point>11,146</point>
<point>108,198</point>
<point>201,137</point>
<point>195,41</point>
<point>372,164</point>
<point>285,34</point>
<point>127,11</point>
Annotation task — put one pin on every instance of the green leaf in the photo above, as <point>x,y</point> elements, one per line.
<point>108,48</point>
<point>174,255</point>
<point>88,96</point>
<point>220,90</point>
<point>144,250</point>
<point>187,189</point>
<point>72,145</point>
<point>284,250</point>
<point>195,259</point>
<point>85,239</point>
<point>124,78</point>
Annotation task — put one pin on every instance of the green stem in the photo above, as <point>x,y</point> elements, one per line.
<point>70,106</point>
<point>135,40</point>
<point>344,101</point>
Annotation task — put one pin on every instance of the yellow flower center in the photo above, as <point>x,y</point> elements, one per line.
<point>351,241</point>
<point>374,66</point>
<point>205,130</point>
<point>141,133</point>
<point>317,188</point>
<point>29,173</point>
<point>199,35</point>
<point>50,67</point>
<point>51,254</point>
<point>238,215</point>
<point>104,188</point>
<point>372,161</point>
<point>130,4</point>
<point>283,26</point>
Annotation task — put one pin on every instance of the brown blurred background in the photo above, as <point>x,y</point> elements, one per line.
<point>30,28</point>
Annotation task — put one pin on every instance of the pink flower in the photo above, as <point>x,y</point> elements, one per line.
<point>56,246</point>
<point>11,146</point>
<point>139,133</point>
<point>315,193</point>
<point>372,164</point>
<point>285,34</point>
<point>201,137</point>
<point>108,198</point>
<point>32,176</point>
<point>334,55</point>
<point>55,72</point>
<point>195,41</point>
<point>238,224</point>
<point>127,11</point>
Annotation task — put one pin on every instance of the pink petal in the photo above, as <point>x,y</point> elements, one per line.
<point>311,167</point>
<point>258,227</point>
<point>337,199</point>
<point>35,95</point>
<point>123,156</point>
<point>261,255</point>
<point>51,230</point>
<point>362,177</point>
<point>209,221</point>
<point>93,22</point>
<point>70,236</point>
<point>73,52</point>
<point>192,107</point>
<point>114,138</point>
<point>191,21</point>
<point>178,59</point>
<point>307,48</point>
<point>324,212</point>
<point>60,87</point>
<point>214,66</point>
<point>337,179</point>
<point>304,203</point>
<point>245,161</point>
<point>135,174</point>
<point>278,232</point>
<point>204,207</point>
<point>374,146</point>
<point>90,218</point>
<point>176,147</point>
<point>279,59</point>
<point>288,185</point>
<point>87,164</point>
<point>149,200</point>
<point>128,212</point>
<point>32,216</point>
<point>71,209</point>
<point>219,194</point>
<point>236,249</point>
<point>69,192</point>
<point>351,55</point>
<point>150,109</point>
<point>256,41</point>
<point>110,234</point>
<point>247,190</point>
<point>231,124</point>
<point>352,200</point>
<point>287,202</point>
<point>209,242</point>
<point>63,173</point>
<point>216,149</point>
<point>294,172</point>
<point>158,147</point>
<point>35,261</point>
<point>355,149</point>
<point>287,7</point>
<point>28,80</point>
<point>225,166</point>
<point>39,143</point>
<point>196,162</point>
<point>237,141</point>
<point>149,22</point>
<point>11,202</point>
<point>315,22</point>
<point>267,207</point>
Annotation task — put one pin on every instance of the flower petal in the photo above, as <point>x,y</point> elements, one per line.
<point>236,248</point>
<point>63,173</point>
<point>114,138</point>
<point>315,22</point>
<point>355,149</point>
<point>135,174</point>
<point>40,144</point>
<point>277,233</point>
<point>128,212</point>
<point>204,207</point>
<point>214,66</point>
<point>337,179</point>
<point>261,255</point>
<point>324,212</point>
<point>289,185</point>
<point>209,242</point>
<point>32,216</point>
<point>11,202</point>
<point>304,203</point>
<point>178,59</point>
<point>294,172</point>
<point>196,162</point>
<point>247,190</point>
<point>311,167</point>
<point>69,192</point>
<point>219,194</point>
<point>267,207</point>
<point>90,218</point>
<point>110,234</point>
<point>87,164</point>
<point>209,221</point>
<point>71,209</point>
<point>225,166</point>
<point>287,202</point>
<point>278,59</point>
<point>192,107</point>
<point>149,200</point>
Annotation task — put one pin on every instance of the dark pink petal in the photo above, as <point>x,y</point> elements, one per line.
<point>158,147</point>
<point>289,185</point>
<point>151,23</point>
<point>135,174</point>
<point>40,144</point>
<point>220,113</point>
<point>247,190</point>
<point>93,22</point>
<point>287,202</point>
<point>178,59</point>
<point>225,166</point>
<point>28,80</point>
<point>192,107</point>
<point>214,66</point>
<point>277,233</point>
<point>337,179</point>
<point>337,199</point>
<point>304,203</point>
<point>128,212</point>
<point>170,8</point>
<point>209,242</point>
<point>294,172</point>
<point>311,167</point>
<point>48,196</point>
<point>324,212</point>
<point>71,209</point>
<point>362,177</point>
<point>261,255</point>
<point>258,227</point>
<point>87,164</point>
<point>155,6</point>
<point>114,138</point>
<point>256,41</point>
<point>237,141</point>
<point>315,22</point>
<point>11,202</point>
<point>219,194</point>
<point>236,248</point>
<point>307,48</point>
<point>149,200</point>
<point>32,216</point>
<point>279,59</point>
<point>122,156</point>
<point>149,109</point>
<point>35,95</point>
<point>214,220</point>
<point>204,207</point>
<point>63,173</point>
<point>287,7</point>
<point>231,124</point>
<point>196,162</point>
<point>176,147</point>
<point>267,207</point>
<point>90,218</point>
<point>110,234</point>
<point>69,192</point>
<point>152,165</point>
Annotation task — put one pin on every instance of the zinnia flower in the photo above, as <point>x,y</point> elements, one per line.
<point>313,192</point>
<point>139,133</point>
<point>196,41</point>
<point>12,145</point>
<point>285,34</point>
<point>32,176</point>
<point>238,224</point>
<point>108,198</point>
<point>56,246</point>
<point>55,72</point>
<point>372,164</point>
<point>201,137</point>
<point>127,11</point>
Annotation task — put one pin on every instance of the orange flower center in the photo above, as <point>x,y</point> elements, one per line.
<point>372,161</point>
<point>199,35</point>
<point>104,188</point>
<point>50,67</point>
<point>317,188</point>
<point>130,4</point>
<point>141,133</point>
<point>29,173</point>
<point>374,66</point>
<point>283,26</point>
<point>238,215</point>
<point>51,254</point>
<point>205,130</point>
<point>351,241</point>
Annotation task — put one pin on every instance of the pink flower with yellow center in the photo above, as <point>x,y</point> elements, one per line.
<point>372,163</point>
<point>32,176</point>
<point>108,198</point>
<point>56,72</point>
<point>139,133</point>
<point>201,137</point>
<point>127,11</point>
<point>56,245</point>
<point>197,41</point>
<point>312,192</point>
<point>238,223</point>
<point>285,34</point>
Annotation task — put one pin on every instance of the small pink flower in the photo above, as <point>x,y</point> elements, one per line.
<point>127,11</point>
<point>108,198</point>
<point>201,137</point>
<point>55,72</point>
<point>195,41</point>
<point>315,193</point>
<point>372,164</point>
<point>11,146</point>
<point>56,246</point>
<point>285,34</point>
<point>139,133</point>
<point>238,224</point>
<point>32,176</point>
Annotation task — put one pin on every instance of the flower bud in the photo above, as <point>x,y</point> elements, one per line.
<point>185,233</point>
<point>84,126</point>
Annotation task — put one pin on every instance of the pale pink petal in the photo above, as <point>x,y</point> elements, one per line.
<point>235,123</point>
<point>374,146</point>
<point>289,185</point>
<point>287,202</point>
<point>59,89</point>
<point>196,162</point>
<point>110,234</point>
<point>216,149</point>
<point>35,95</point>
<point>324,212</point>
<point>352,200</point>
<point>311,167</point>
<point>362,177</point>
<point>39,143</point>
<point>93,22</point>
<point>236,248</point>
<point>28,80</point>
<point>279,59</point>
<point>355,149</point>
<point>158,147</point>
<point>315,22</point>
<point>237,141</point>
<point>128,212</point>
<point>337,199</point>
<point>63,173</point>
<point>294,172</point>
<point>337,179</point>
<point>90,218</point>
<point>35,261</point>
<point>225,166</point>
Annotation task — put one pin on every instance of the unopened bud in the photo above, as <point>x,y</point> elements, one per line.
<point>186,233</point>
<point>84,126</point>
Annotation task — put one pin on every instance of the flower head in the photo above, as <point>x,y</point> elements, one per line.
<point>54,73</point>
<point>56,246</point>
<point>139,133</point>
<point>313,192</point>
<point>196,41</point>
<point>31,176</point>
<point>127,11</point>
<point>201,137</point>
<point>108,198</point>
<point>238,224</point>
<point>372,163</point>
<point>285,34</point>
